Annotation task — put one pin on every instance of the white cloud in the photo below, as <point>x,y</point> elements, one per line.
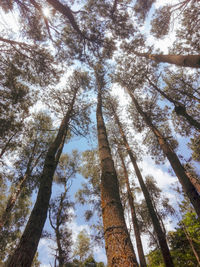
<point>163,178</point>
<point>45,252</point>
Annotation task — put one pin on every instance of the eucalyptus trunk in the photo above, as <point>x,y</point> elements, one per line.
<point>133,215</point>
<point>176,165</point>
<point>119,248</point>
<point>25,252</point>
<point>192,61</point>
<point>156,224</point>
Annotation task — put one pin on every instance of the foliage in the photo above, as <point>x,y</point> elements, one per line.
<point>82,245</point>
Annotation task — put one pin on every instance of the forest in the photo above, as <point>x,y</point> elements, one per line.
<point>99,133</point>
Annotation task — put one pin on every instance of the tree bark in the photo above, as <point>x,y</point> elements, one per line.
<point>176,165</point>
<point>25,252</point>
<point>158,229</point>
<point>133,215</point>
<point>119,248</point>
<point>192,61</point>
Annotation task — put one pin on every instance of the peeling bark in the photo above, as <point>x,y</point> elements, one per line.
<point>119,248</point>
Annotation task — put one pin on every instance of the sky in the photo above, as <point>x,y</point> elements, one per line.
<point>160,173</point>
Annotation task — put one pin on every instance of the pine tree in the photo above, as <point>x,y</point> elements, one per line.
<point>26,249</point>
<point>119,250</point>
<point>159,232</point>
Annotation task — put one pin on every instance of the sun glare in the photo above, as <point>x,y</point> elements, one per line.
<point>46,11</point>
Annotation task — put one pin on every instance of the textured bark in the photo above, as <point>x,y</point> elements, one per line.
<point>179,107</point>
<point>157,227</point>
<point>119,248</point>
<point>176,165</point>
<point>133,215</point>
<point>25,252</point>
<point>192,61</point>
<point>194,181</point>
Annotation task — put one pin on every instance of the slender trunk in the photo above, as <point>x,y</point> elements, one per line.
<point>119,248</point>
<point>6,145</point>
<point>192,61</point>
<point>19,187</point>
<point>191,244</point>
<point>58,233</point>
<point>181,111</point>
<point>133,215</point>
<point>12,200</point>
<point>179,107</point>
<point>158,229</point>
<point>24,254</point>
<point>176,165</point>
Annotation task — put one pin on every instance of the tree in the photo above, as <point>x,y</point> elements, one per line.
<point>171,156</point>
<point>159,232</point>
<point>118,244</point>
<point>133,213</point>
<point>28,166</point>
<point>82,245</point>
<point>60,206</point>
<point>26,249</point>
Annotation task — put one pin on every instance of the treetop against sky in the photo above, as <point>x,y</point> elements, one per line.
<point>63,61</point>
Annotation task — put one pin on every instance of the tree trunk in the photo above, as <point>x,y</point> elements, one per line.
<point>179,107</point>
<point>158,229</point>
<point>192,61</point>
<point>176,165</point>
<point>24,254</point>
<point>57,229</point>
<point>119,248</point>
<point>19,187</point>
<point>191,244</point>
<point>133,215</point>
<point>6,145</point>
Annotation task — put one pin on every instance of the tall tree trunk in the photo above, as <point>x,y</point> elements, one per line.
<point>179,170</point>
<point>133,215</point>
<point>158,229</point>
<point>192,61</point>
<point>24,254</point>
<point>179,107</point>
<point>119,248</point>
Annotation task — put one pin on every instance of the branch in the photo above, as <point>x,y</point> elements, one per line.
<point>67,12</point>
<point>38,7</point>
